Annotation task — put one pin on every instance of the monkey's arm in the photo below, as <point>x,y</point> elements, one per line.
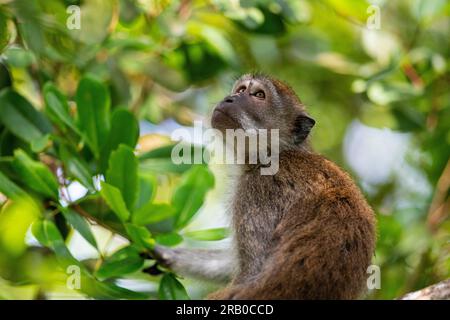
<point>215,265</point>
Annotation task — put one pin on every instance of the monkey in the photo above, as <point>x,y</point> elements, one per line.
<point>305,232</point>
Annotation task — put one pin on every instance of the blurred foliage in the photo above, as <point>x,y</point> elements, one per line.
<point>71,102</point>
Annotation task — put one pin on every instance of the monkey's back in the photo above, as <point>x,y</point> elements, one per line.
<point>305,233</point>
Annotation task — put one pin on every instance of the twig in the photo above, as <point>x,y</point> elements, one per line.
<point>88,216</point>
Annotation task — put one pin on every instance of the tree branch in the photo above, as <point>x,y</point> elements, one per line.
<point>77,208</point>
<point>438,291</point>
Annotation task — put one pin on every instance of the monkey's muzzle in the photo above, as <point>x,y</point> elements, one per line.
<point>223,118</point>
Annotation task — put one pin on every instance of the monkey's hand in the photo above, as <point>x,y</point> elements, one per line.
<point>165,256</point>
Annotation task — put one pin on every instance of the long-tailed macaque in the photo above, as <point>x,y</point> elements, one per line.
<point>305,232</point>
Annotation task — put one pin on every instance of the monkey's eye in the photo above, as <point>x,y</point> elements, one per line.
<point>240,90</point>
<point>260,94</point>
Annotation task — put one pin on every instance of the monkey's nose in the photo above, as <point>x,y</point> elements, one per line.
<point>229,99</point>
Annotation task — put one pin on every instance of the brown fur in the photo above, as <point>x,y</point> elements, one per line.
<point>304,233</point>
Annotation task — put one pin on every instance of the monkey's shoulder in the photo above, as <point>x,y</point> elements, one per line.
<point>312,170</point>
<point>321,184</point>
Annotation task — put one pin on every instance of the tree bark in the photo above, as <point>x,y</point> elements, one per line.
<point>438,291</point>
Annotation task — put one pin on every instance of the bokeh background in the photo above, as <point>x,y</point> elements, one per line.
<point>375,75</point>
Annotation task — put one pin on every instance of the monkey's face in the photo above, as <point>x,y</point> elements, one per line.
<point>247,107</point>
<point>259,102</point>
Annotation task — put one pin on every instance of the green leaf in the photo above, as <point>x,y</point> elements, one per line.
<point>57,107</point>
<point>124,130</point>
<point>122,262</point>
<point>140,236</point>
<point>9,188</point>
<point>108,290</point>
<point>158,153</point>
<point>35,175</point>
<point>31,32</point>
<point>95,27</point>
<point>122,174</point>
<point>160,159</point>
<point>18,57</point>
<point>79,224</point>
<point>48,235</point>
<point>169,239</point>
<point>408,119</point>
<point>38,145</point>
<point>190,194</point>
<point>208,234</point>
<point>19,116</point>
<point>171,289</point>
<point>38,231</point>
<point>147,189</point>
<point>93,105</point>
<point>152,213</point>
<point>163,165</point>
<point>76,166</point>
<point>115,201</point>
<point>15,220</point>
<point>98,208</point>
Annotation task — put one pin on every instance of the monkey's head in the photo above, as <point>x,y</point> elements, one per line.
<point>261,102</point>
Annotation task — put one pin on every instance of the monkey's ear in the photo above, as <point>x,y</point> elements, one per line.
<point>302,126</point>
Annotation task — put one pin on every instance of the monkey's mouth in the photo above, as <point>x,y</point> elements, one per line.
<point>224,114</point>
<point>222,120</point>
